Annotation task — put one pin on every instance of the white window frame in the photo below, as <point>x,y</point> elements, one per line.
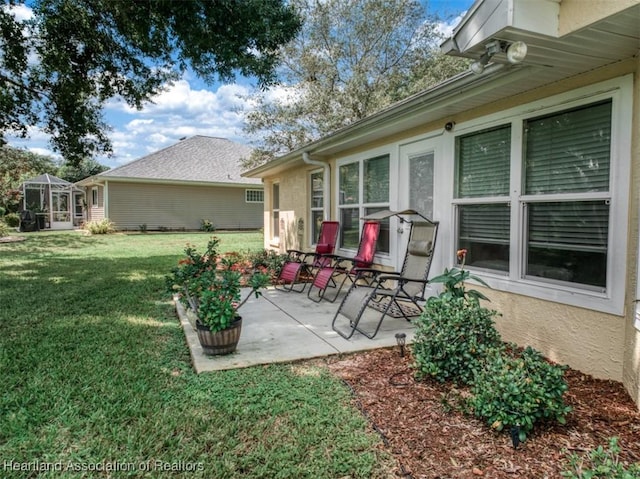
<point>611,300</point>
<point>275,238</point>
<point>313,235</point>
<point>384,258</point>
<point>249,196</point>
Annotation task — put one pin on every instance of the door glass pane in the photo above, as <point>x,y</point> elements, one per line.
<point>483,163</point>
<point>483,230</point>
<point>349,228</point>
<point>376,180</point>
<point>567,241</point>
<point>349,178</point>
<point>421,184</point>
<point>569,152</point>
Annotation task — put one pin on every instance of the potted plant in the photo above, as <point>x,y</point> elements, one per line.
<point>210,285</point>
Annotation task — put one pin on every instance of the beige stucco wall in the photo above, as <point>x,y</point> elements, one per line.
<point>631,359</point>
<point>576,14</point>
<point>590,341</point>
<point>294,206</point>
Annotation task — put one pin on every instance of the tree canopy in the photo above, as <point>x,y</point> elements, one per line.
<point>350,60</point>
<point>61,65</point>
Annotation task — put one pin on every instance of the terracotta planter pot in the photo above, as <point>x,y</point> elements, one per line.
<point>220,342</point>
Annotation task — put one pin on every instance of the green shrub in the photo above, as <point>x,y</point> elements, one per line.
<point>206,225</point>
<point>452,338</point>
<point>4,229</point>
<point>12,220</point>
<point>519,391</point>
<point>271,260</point>
<point>100,227</point>
<point>601,463</point>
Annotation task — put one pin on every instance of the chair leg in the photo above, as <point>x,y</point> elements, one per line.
<point>352,308</point>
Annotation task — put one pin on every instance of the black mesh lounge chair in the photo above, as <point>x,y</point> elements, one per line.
<point>396,294</point>
<point>303,264</point>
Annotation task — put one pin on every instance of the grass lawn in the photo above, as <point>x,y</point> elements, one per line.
<point>96,379</point>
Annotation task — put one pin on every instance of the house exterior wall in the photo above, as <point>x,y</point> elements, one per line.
<point>95,211</point>
<point>631,357</point>
<point>575,14</point>
<point>603,343</point>
<point>160,206</point>
<point>294,208</point>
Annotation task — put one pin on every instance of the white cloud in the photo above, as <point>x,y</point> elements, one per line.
<point>180,111</point>
<point>20,11</point>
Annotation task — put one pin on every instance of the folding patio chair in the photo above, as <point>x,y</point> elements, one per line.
<point>394,294</point>
<point>301,264</point>
<point>340,266</point>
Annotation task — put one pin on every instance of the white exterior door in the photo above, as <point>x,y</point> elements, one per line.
<point>61,210</point>
<point>418,168</point>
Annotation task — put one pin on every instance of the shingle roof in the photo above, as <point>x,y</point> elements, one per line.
<point>199,158</point>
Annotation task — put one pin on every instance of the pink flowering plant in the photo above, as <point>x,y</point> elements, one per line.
<point>211,283</point>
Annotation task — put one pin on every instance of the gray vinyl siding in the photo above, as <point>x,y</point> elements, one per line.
<point>181,207</point>
<point>95,212</point>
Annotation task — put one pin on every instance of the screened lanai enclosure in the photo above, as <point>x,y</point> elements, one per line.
<point>53,202</point>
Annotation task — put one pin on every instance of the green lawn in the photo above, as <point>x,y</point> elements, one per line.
<point>96,376</point>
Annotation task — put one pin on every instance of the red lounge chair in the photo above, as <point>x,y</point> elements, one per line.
<point>346,267</point>
<point>302,264</point>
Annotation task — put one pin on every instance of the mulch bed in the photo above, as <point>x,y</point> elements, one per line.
<point>430,437</point>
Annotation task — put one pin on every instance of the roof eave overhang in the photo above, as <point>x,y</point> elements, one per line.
<point>151,181</point>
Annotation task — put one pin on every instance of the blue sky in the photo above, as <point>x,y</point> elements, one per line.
<point>190,107</point>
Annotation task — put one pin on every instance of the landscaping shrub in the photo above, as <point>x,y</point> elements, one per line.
<point>12,220</point>
<point>207,225</point>
<point>454,332</point>
<point>4,229</point>
<point>452,338</point>
<point>269,259</point>
<point>100,227</point>
<point>601,463</point>
<point>519,391</point>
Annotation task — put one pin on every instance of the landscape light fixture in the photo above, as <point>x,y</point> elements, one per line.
<point>401,339</point>
<point>516,52</point>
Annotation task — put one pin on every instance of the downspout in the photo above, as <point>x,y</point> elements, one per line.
<point>325,182</point>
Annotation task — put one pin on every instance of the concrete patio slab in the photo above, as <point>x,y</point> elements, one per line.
<point>285,327</point>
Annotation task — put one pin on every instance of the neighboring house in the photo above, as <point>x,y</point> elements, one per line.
<point>177,188</point>
<point>534,167</point>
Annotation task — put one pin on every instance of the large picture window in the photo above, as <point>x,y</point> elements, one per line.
<point>566,195</point>
<point>557,195</point>
<point>363,189</point>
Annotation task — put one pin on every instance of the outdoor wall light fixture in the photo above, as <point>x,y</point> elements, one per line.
<point>516,52</point>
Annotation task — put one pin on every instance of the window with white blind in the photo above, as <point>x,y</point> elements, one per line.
<point>482,192</point>
<point>537,208</point>
<point>566,195</point>
<point>363,190</point>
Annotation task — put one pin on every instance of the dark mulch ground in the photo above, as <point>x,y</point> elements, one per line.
<point>431,440</point>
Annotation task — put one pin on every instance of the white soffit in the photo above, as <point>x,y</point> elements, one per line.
<point>489,17</point>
